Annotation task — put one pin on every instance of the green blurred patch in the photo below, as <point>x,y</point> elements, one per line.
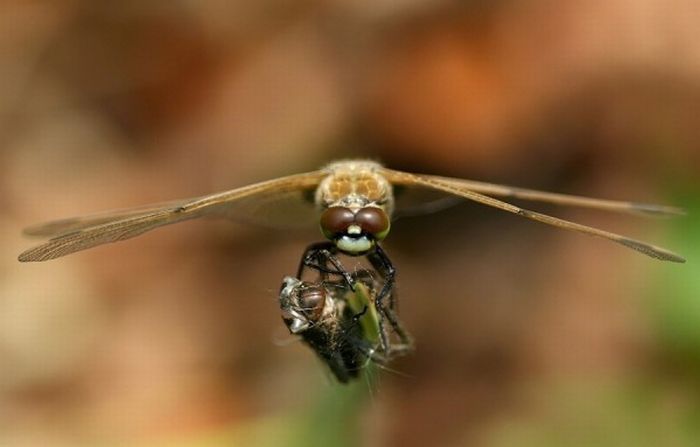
<point>675,296</point>
<point>603,414</point>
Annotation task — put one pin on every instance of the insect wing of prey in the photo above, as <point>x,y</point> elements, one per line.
<point>75,234</point>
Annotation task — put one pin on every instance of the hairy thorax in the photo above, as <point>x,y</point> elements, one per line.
<point>355,184</point>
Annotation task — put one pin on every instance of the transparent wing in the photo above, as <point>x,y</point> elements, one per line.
<point>280,210</point>
<point>457,188</point>
<point>75,234</point>
<point>492,189</point>
<point>418,201</point>
<point>57,227</point>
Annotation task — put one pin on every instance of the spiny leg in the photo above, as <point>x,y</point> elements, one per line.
<point>317,257</point>
<point>387,271</point>
<point>382,264</point>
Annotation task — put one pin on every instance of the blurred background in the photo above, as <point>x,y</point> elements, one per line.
<point>526,335</point>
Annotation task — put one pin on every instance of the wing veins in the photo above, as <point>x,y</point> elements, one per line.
<point>437,183</point>
<point>106,229</point>
<point>71,224</point>
<point>492,189</point>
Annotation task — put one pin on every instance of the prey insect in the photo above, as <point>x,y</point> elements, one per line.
<point>323,258</point>
<point>335,313</point>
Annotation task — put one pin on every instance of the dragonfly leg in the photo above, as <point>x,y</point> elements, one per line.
<point>382,264</point>
<point>317,257</point>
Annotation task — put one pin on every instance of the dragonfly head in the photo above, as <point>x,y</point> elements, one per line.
<point>355,231</point>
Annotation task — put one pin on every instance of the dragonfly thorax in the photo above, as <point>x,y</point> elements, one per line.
<point>355,184</point>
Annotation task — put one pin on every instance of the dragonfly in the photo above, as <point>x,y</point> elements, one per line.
<point>352,201</point>
<point>334,314</point>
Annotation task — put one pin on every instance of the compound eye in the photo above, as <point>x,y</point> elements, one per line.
<point>374,221</point>
<point>311,302</point>
<point>335,220</point>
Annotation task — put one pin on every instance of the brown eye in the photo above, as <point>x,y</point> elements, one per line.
<point>374,221</point>
<point>336,219</point>
<point>311,301</point>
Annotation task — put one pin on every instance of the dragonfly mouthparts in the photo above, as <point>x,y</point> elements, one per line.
<point>354,244</point>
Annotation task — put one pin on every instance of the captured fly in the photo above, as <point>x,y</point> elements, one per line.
<point>335,315</point>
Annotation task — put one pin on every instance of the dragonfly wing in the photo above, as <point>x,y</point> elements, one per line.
<point>71,235</point>
<point>512,192</point>
<point>457,189</point>
<point>61,226</point>
<point>417,201</point>
<point>277,210</point>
